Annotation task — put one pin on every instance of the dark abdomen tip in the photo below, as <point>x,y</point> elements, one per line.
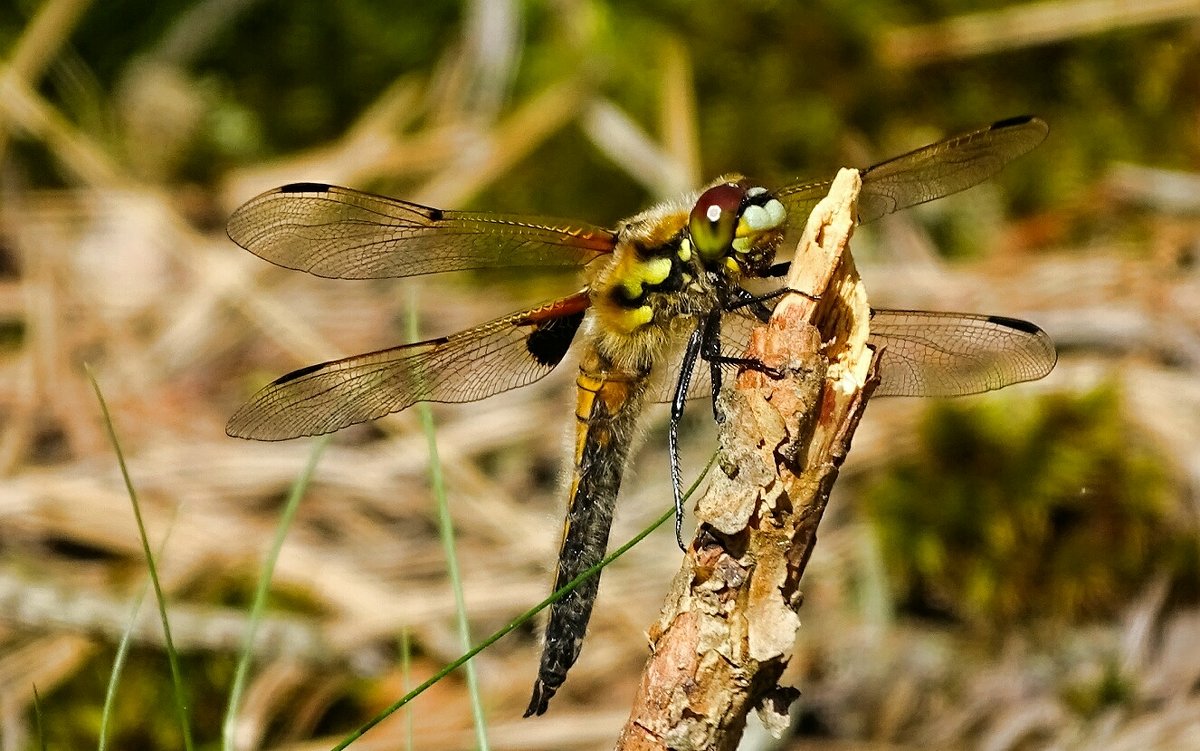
<point>540,701</point>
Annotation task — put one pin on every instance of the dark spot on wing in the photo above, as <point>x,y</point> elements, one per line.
<point>434,214</point>
<point>298,373</point>
<point>1008,122</point>
<point>552,338</point>
<point>1015,323</point>
<point>305,188</point>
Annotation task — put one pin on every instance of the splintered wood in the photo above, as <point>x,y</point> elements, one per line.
<point>729,623</point>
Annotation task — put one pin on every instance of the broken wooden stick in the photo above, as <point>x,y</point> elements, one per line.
<point>727,629</point>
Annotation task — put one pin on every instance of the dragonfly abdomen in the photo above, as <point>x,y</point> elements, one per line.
<point>607,408</point>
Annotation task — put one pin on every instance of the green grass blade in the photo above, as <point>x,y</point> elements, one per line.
<point>437,485</point>
<point>405,680</point>
<point>258,607</point>
<point>37,718</point>
<point>180,696</point>
<point>524,617</point>
<point>114,678</point>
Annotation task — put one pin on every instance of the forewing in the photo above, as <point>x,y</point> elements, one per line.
<point>496,356</point>
<point>929,172</point>
<point>925,353</point>
<point>347,234</point>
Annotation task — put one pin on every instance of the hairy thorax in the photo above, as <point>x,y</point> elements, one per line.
<point>648,291</point>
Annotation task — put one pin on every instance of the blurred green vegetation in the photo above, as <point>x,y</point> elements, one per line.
<point>1012,510</point>
<point>142,718</point>
<point>780,86</point>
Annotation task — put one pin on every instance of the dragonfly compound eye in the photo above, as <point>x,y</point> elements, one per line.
<point>714,220</point>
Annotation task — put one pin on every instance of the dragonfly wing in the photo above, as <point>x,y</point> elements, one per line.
<point>347,234</point>
<point>496,356</point>
<point>929,172</point>
<point>924,353</point>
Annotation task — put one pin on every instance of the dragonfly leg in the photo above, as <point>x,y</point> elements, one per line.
<point>747,299</point>
<point>711,347</point>
<point>677,403</point>
<point>711,352</point>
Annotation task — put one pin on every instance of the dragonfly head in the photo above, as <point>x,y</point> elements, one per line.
<point>736,227</point>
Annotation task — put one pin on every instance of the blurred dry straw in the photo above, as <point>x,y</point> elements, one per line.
<point>133,274</point>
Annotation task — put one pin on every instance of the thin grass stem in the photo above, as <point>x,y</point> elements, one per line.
<point>259,606</point>
<point>180,695</point>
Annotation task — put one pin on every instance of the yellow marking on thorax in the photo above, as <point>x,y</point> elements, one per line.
<point>635,318</point>
<point>651,231</point>
<point>640,273</point>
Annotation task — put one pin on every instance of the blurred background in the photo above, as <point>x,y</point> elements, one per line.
<point>1015,570</point>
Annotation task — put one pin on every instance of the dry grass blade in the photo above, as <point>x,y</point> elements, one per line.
<point>619,137</point>
<point>44,37</point>
<point>1024,26</point>
<point>678,113</point>
<point>513,139</point>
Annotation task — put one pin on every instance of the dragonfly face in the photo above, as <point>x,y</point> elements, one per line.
<point>664,290</point>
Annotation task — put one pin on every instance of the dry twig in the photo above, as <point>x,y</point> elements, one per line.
<point>727,630</point>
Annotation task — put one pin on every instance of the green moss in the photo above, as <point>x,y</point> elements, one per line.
<point>1015,509</point>
<point>1090,695</point>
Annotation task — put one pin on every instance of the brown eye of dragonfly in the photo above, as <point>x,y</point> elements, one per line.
<point>714,219</point>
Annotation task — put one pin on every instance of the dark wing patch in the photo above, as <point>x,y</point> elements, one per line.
<point>304,188</point>
<point>347,234</point>
<point>549,341</point>
<point>927,173</point>
<point>471,365</point>
<point>924,353</point>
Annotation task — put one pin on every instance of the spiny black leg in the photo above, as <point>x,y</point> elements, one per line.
<point>750,363</point>
<point>681,390</point>
<point>711,351</point>
<point>745,298</point>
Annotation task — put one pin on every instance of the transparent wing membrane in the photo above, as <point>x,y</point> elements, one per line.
<point>922,353</point>
<point>927,173</point>
<point>503,354</point>
<point>347,234</point>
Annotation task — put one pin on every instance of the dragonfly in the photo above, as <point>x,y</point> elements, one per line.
<point>665,295</point>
